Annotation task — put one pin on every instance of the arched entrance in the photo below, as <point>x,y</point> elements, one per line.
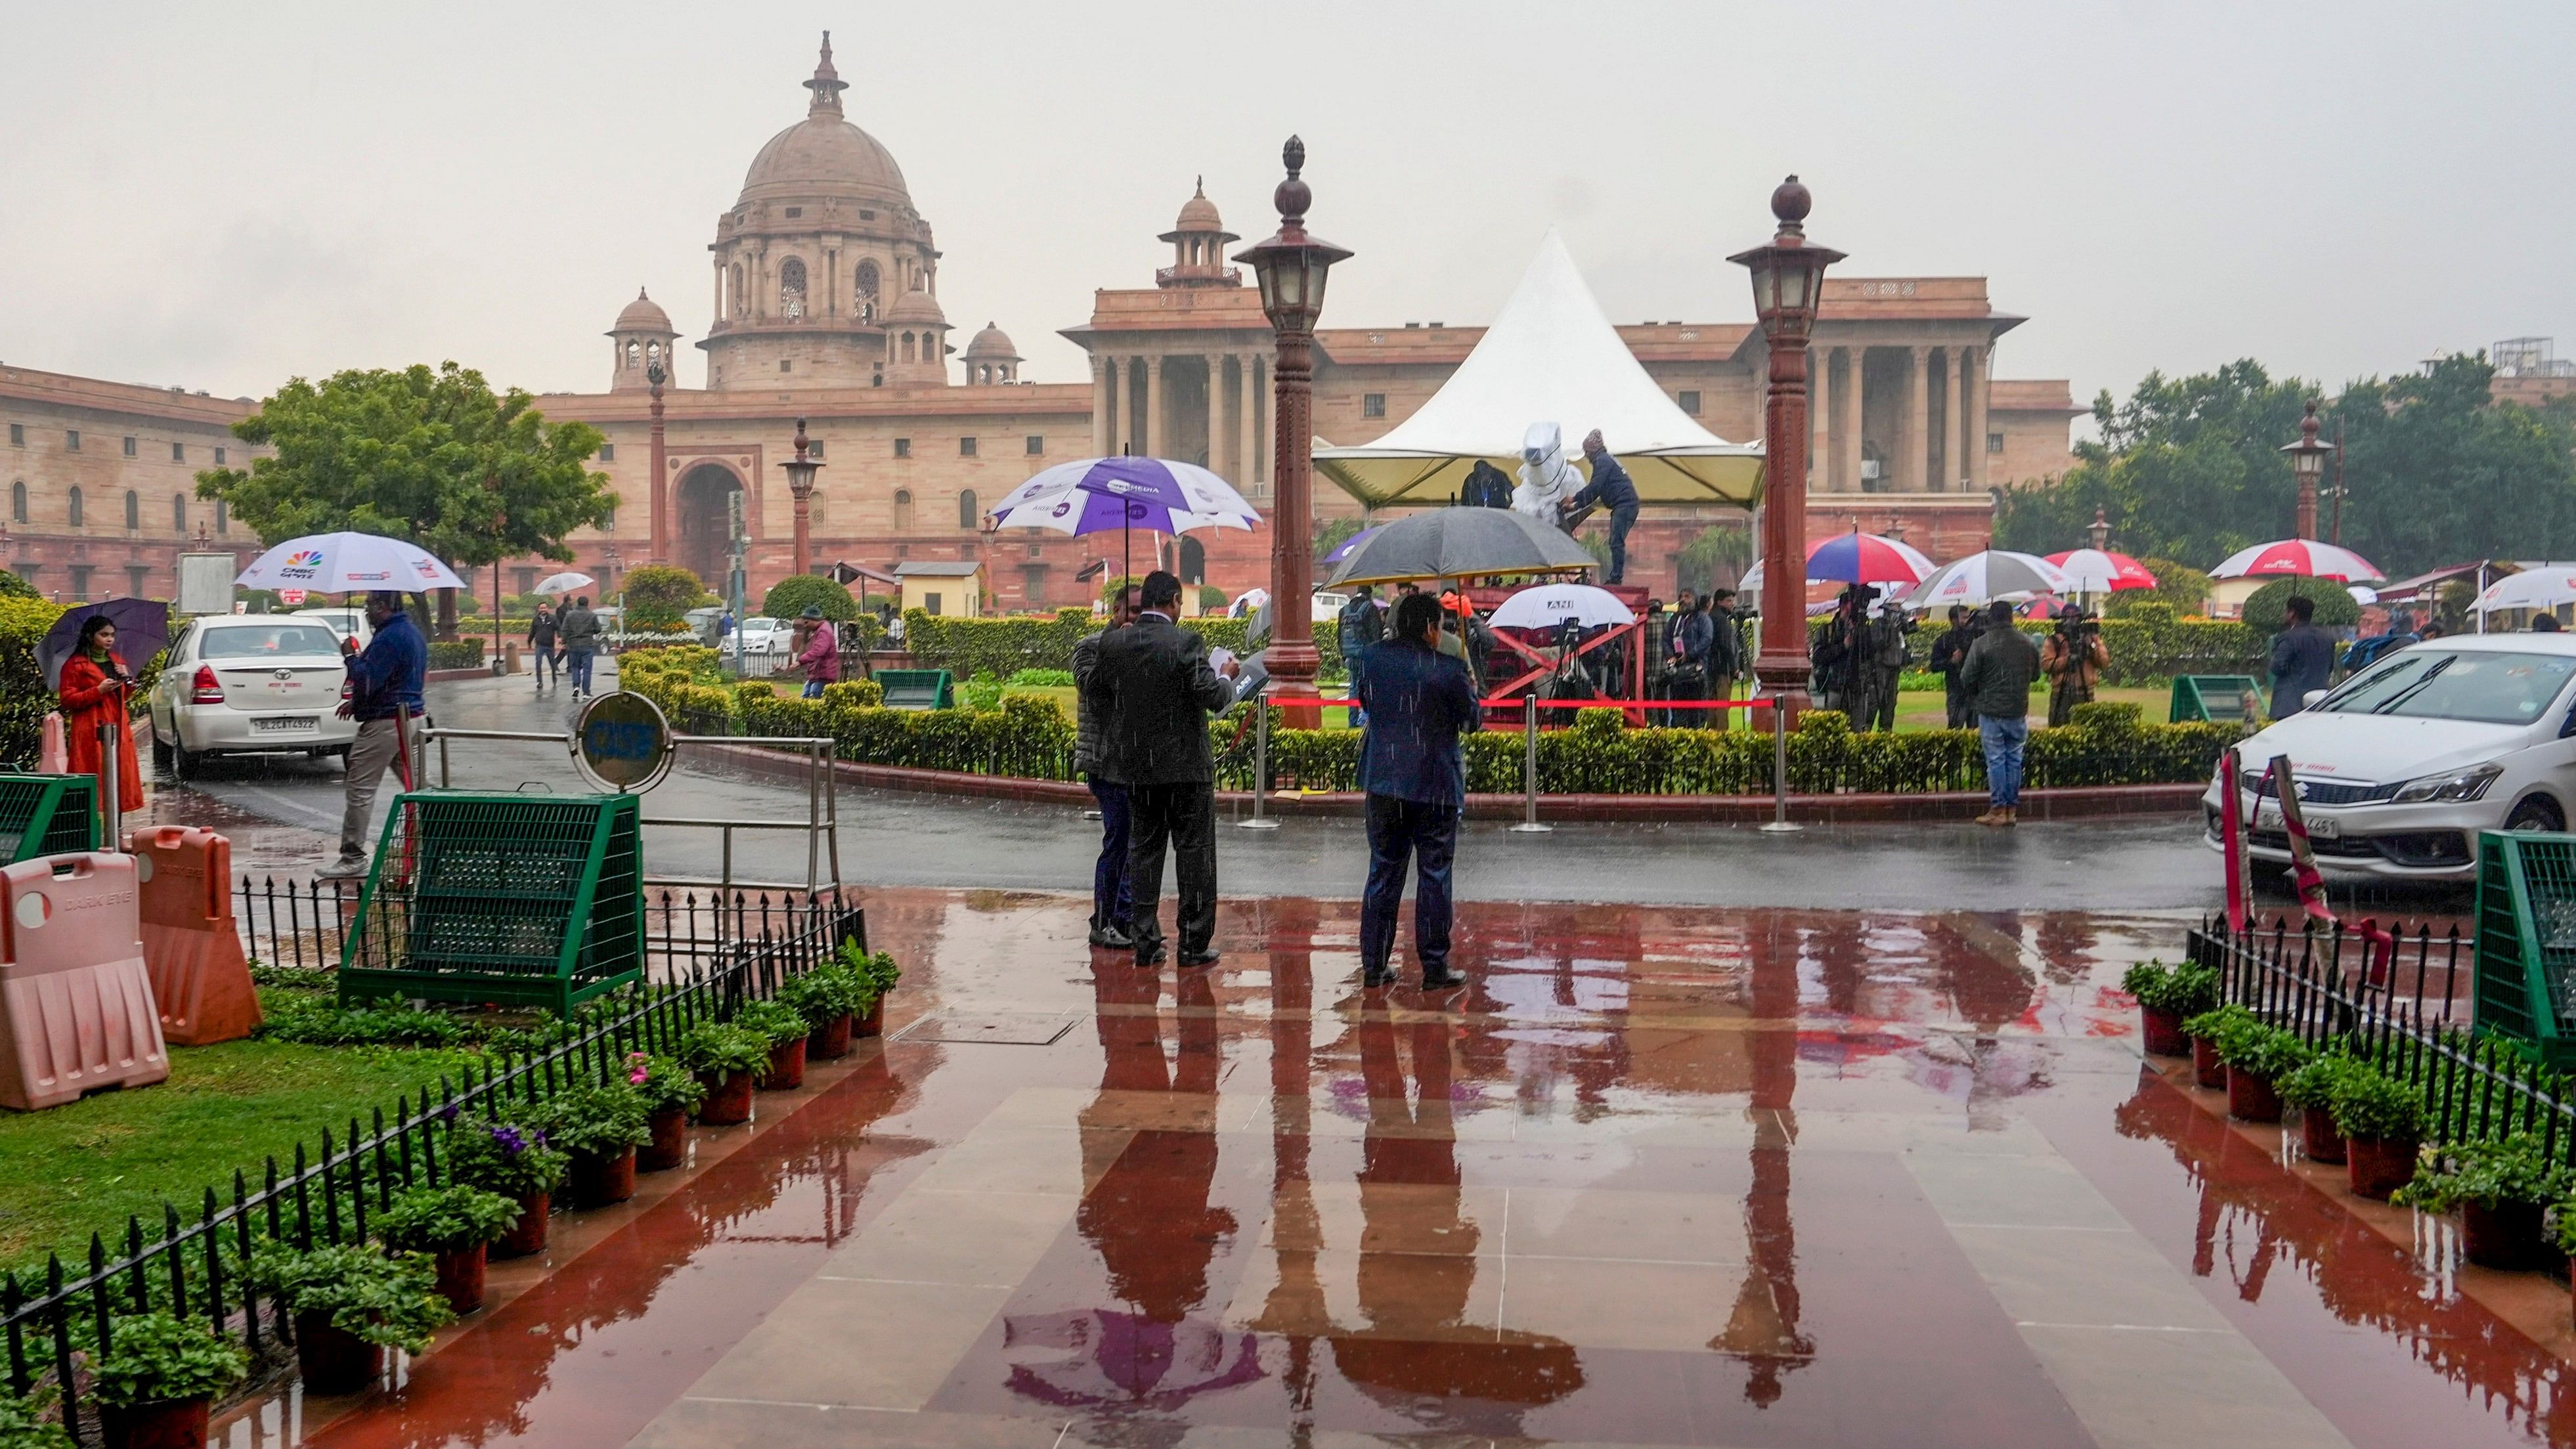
<point>1193,560</point>
<point>702,509</point>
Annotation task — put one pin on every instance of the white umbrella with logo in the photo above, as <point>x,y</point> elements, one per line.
<point>563,583</point>
<point>348,563</point>
<point>2541,588</point>
<point>1549,605</point>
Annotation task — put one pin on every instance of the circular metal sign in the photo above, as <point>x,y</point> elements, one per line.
<point>621,742</point>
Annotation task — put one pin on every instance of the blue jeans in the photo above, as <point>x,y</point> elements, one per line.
<point>814,689</point>
<point>579,660</point>
<point>1428,833</point>
<point>1109,897</point>
<point>2004,738</point>
<point>1621,520</point>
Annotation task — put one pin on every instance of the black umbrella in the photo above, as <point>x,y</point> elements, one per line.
<point>142,630</point>
<point>1448,543</point>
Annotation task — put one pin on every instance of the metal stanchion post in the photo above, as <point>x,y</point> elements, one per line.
<point>1779,773</point>
<point>1260,769</point>
<point>1529,770</point>
<point>110,786</point>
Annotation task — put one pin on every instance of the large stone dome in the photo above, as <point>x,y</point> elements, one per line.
<point>825,156</point>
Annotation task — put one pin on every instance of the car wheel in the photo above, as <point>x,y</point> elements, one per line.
<point>2536,813</point>
<point>186,764</point>
<point>163,760</point>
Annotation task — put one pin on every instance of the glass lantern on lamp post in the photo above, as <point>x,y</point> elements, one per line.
<point>800,486</point>
<point>1292,267</point>
<point>2308,464</point>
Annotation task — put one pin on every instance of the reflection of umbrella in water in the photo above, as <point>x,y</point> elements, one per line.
<point>1515,1371</point>
<point>1112,1357</point>
<point>142,630</point>
<point>1449,543</point>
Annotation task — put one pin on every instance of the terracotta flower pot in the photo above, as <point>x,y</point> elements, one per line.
<point>670,1145</point>
<point>2504,1236</point>
<point>2250,1098</point>
<point>598,1181</point>
<point>830,1041</point>
<point>460,1276</point>
<point>2378,1166</point>
<point>170,1424</point>
<point>529,1235</point>
<point>728,1100</point>
<point>2318,1135</point>
<point>2163,1032</point>
<point>334,1360</point>
<point>870,1022</point>
<point>2206,1068</point>
<point>786,1066</point>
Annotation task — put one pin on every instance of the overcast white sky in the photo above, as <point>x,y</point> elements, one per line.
<point>223,195</point>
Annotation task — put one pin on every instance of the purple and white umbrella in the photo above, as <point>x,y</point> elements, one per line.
<point>1343,549</point>
<point>1094,495</point>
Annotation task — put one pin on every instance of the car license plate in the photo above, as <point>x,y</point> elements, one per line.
<point>2320,827</point>
<point>283,723</point>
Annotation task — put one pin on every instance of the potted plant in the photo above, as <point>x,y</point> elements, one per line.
<point>784,1030</point>
<point>23,1424</point>
<point>670,1095</point>
<point>828,997</point>
<point>2165,995</point>
<point>2382,1122</point>
<point>2309,1091</point>
<point>515,1162</point>
<point>2205,1029</point>
<point>350,1303</point>
<point>2500,1190</point>
<point>726,1058</point>
<point>598,1127</point>
<point>2258,1057</point>
<point>456,1225</point>
<point>878,970</point>
<point>157,1377</point>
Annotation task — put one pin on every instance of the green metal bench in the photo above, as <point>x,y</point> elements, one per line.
<point>47,815</point>
<point>2216,699</point>
<point>2526,940</point>
<point>917,688</point>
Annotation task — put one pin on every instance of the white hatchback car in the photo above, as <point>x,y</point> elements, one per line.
<point>2399,767</point>
<point>244,683</point>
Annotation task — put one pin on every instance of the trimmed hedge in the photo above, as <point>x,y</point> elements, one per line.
<point>1003,647</point>
<point>23,696</point>
<point>457,653</point>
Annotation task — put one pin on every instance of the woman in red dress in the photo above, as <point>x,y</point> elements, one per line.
<point>96,689</point>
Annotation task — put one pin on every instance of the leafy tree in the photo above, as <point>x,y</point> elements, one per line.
<point>1724,546</point>
<point>788,597</point>
<point>435,457</point>
<point>660,596</point>
<point>2439,475</point>
<point>14,587</point>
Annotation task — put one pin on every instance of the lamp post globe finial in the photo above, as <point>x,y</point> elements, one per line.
<point>1791,201</point>
<point>1293,196</point>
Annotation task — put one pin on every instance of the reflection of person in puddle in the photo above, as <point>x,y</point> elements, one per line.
<point>1414,1291</point>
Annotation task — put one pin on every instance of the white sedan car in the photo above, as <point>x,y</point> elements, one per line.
<point>244,683</point>
<point>2399,767</point>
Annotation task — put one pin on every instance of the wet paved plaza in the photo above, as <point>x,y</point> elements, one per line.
<point>1660,1176</point>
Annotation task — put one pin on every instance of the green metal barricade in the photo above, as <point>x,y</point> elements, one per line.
<point>504,898</point>
<point>2216,699</point>
<point>2526,940</point>
<point>917,688</point>
<point>47,815</point>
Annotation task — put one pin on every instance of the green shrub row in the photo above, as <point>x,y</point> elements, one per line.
<point>457,653</point>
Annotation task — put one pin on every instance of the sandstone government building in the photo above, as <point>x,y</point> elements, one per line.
<point>827,306</point>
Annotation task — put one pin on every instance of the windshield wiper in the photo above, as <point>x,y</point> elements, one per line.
<point>2410,691</point>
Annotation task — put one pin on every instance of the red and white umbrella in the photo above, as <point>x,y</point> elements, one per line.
<point>1856,558</point>
<point>2098,571</point>
<point>2299,558</point>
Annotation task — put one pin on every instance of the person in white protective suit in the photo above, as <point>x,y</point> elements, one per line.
<point>1548,482</point>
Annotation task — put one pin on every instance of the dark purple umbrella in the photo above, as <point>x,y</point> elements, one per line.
<point>142,631</point>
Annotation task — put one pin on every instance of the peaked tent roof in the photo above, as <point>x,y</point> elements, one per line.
<point>1550,356</point>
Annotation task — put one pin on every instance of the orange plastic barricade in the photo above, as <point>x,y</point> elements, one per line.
<point>76,1011</point>
<point>191,948</point>
<point>53,754</point>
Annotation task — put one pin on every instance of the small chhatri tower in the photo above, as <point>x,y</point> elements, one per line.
<point>1199,240</point>
<point>642,337</point>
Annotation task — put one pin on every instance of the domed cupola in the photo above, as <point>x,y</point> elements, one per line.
<point>991,359</point>
<point>1198,241</point>
<point>641,340</point>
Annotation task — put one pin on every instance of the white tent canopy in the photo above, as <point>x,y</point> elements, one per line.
<point>1551,355</point>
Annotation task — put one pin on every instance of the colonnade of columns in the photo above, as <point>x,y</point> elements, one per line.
<point>1129,412</point>
<point>1920,442</point>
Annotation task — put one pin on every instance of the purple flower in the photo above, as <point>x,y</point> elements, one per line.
<point>448,1113</point>
<point>509,1138</point>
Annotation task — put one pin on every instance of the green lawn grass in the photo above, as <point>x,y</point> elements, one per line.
<point>82,1167</point>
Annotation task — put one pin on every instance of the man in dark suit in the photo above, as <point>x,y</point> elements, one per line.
<point>1415,780</point>
<point>1154,690</point>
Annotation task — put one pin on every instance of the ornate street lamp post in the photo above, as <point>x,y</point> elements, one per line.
<point>800,484</point>
<point>2308,463</point>
<point>2100,528</point>
<point>1292,267</point>
<point>654,376</point>
<point>1787,275</point>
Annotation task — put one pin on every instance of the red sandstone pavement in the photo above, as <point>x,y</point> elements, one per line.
<point>1660,1176</point>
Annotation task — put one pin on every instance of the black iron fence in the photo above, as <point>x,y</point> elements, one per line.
<point>2392,997</point>
<point>327,1191</point>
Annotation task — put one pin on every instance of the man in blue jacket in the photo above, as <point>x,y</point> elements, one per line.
<point>1418,702</point>
<point>385,699</point>
<point>1611,488</point>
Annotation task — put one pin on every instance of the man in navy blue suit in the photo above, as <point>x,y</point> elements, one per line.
<point>1418,701</point>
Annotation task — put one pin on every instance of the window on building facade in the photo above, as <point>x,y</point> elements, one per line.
<point>1372,404</point>
<point>527,581</point>
<point>966,512</point>
<point>223,516</point>
<point>791,290</point>
<point>219,457</point>
<point>1994,442</point>
<point>179,512</point>
<point>965,447</point>
<point>138,580</point>
<point>1036,444</point>
<point>608,452</point>
<point>80,583</point>
<point>129,447</point>
<point>75,503</point>
<point>933,604</point>
<point>133,509</point>
<point>813,447</point>
<point>17,503</point>
<point>903,510</point>
<point>178,452</point>
<point>25,569</point>
<point>17,435</point>
<point>71,441</point>
<point>787,364</point>
<point>903,447</point>
<point>1690,402</point>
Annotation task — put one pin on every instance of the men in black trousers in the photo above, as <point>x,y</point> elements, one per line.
<point>1154,690</point>
<point>1415,779</point>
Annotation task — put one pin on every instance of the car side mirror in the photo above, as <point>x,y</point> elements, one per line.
<point>2312,699</point>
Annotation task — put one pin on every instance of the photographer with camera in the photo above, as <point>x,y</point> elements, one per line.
<point>2073,659</point>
